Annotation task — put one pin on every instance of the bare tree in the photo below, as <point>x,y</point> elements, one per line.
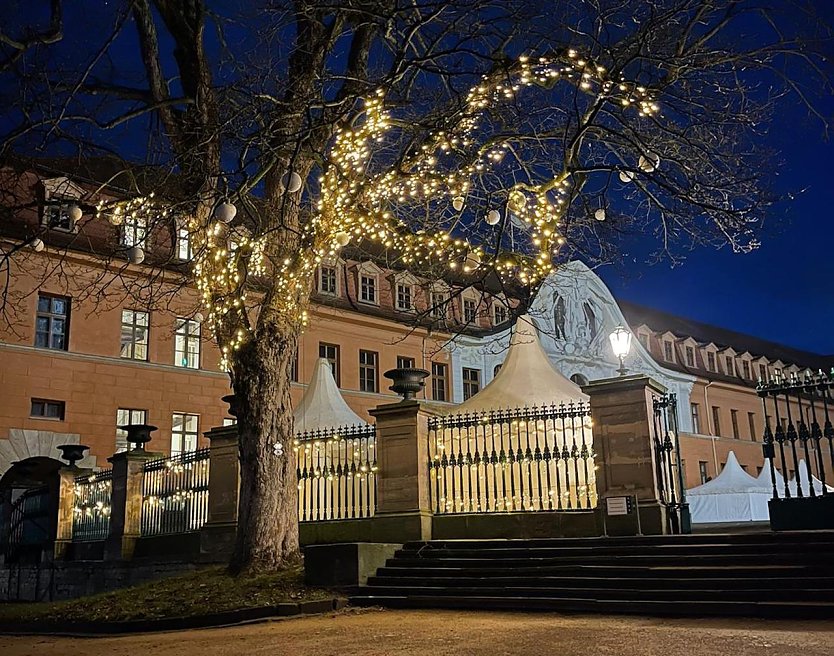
<point>475,138</point>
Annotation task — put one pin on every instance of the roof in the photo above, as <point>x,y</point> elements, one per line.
<point>732,480</point>
<point>705,333</point>
<point>322,405</point>
<point>526,378</point>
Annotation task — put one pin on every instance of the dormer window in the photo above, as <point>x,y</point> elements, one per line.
<point>184,251</point>
<point>644,340</point>
<point>134,231</point>
<point>745,367</point>
<point>60,207</point>
<point>405,297</point>
<point>499,311</point>
<point>710,360</point>
<point>438,305</point>
<point>367,288</point>
<point>58,217</point>
<point>690,356</point>
<point>327,280</point>
<point>470,310</point>
<point>668,351</point>
<point>731,368</point>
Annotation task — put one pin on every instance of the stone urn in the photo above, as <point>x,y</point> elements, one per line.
<point>72,453</point>
<point>406,381</point>
<point>231,401</point>
<point>138,435</point>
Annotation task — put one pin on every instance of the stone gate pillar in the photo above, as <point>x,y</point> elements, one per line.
<point>218,533</point>
<point>403,502</point>
<point>623,416</point>
<point>126,502</point>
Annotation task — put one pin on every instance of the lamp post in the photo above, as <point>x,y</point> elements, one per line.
<point>621,345</point>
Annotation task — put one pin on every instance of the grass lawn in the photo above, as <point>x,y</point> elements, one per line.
<point>209,590</point>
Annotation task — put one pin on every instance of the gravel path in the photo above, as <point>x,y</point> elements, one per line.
<point>372,632</point>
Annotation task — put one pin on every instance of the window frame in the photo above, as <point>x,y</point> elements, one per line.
<point>184,237</point>
<point>468,382</point>
<point>499,307</point>
<point>334,279</point>
<point>409,307</point>
<point>133,328</point>
<point>188,337</point>
<point>668,351</point>
<point>335,361</point>
<point>403,360</point>
<point>751,424</point>
<point>51,316</point>
<point>469,310</point>
<point>121,441</point>
<point>132,227</point>
<point>185,432</point>
<point>734,423</point>
<point>695,417</point>
<point>439,381</point>
<point>373,280</point>
<point>716,421</point>
<point>364,367</point>
<point>60,406</point>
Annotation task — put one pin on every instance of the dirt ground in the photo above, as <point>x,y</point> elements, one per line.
<point>439,633</point>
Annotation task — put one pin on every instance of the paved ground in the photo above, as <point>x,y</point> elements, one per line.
<point>441,633</point>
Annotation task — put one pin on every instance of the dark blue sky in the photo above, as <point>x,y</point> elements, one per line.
<point>783,292</point>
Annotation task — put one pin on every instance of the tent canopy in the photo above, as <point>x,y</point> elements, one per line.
<point>803,477</point>
<point>731,479</point>
<point>322,405</point>
<point>526,377</point>
<point>732,496</point>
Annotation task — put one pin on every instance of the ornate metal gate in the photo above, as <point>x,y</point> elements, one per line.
<point>668,463</point>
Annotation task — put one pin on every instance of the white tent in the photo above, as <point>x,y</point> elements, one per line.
<point>322,405</point>
<point>526,377</point>
<point>732,496</point>
<point>803,477</point>
<point>765,482</point>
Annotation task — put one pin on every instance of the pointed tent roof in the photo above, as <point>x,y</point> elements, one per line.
<point>526,377</point>
<point>732,479</point>
<point>765,482</point>
<point>803,473</point>
<point>322,405</point>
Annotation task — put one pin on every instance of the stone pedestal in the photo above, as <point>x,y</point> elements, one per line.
<point>126,503</point>
<point>66,505</point>
<point>403,502</point>
<point>622,414</point>
<point>218,533</point>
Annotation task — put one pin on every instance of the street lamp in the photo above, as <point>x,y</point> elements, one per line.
<point>621,345</point>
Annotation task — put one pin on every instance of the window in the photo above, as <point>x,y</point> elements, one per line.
<point>579,379</point>
<point>734,422</point>
<point>690,356</point>
<point>500,314</point>
<point>703,471</point>
<point>710,360</point>
<point>716,423</point>
<point>668,351</point>
<point>405,362</point>
<point>327,280</point>
<point>187,343</point>
<point>438,305</point>
<point>52,322</point>
<point>695,411</point>
<point>229,421</point>
<point>368,369</point>
<point>330,352</point>
<point>184,244</point>
<point>751,422</point>
<point>134,335</point>
<point>57,216</point>
<point>731,369</point>
<point>134,230</point>
<point>777,373</point>
<point>745,366</point>
<point>43,409</point>
<point>367,288</point>
<point>471,382</point>
<point>405,297</point>
<point>469,310</point>
<point>183,433</point>
<point>125,416</point>
<point>762,372</point>
<point>439,381</point>
<point>643,338</point>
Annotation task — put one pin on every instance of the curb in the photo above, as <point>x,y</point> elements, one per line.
<point>212,620</point>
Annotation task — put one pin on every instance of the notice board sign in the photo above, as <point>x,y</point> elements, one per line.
<point>617,506</point>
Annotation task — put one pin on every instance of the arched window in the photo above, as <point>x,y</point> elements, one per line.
<point>590,320</point>
<point>496,370</point>
<point>559,318</point>
<point>579,379</point>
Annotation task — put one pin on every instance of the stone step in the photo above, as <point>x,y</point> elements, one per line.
<point>774,609</point>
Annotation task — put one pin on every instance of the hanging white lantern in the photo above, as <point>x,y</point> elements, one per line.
<point>75,213</point>
<point>473,259</point>
<point>136,255</point>
<point>457,203</point>
<point>626,177</point>
<point>199,317</point>
<point>599,215</point>
<point>493,217</point>
<point>37,244</point>
<point>342,238</point>
<point>225,212</point>
<point>291,182</point>
<point>649,163</point>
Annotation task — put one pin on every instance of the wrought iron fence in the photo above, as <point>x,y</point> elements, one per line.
<point>336,473</point>
<point>175,493</point>
<point>91,508</point>
<point>522,459</point>
<point>798,440</point>
<point>668,463</point>
<point>29,525</point>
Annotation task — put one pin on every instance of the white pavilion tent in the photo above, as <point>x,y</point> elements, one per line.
<point>322,406</point>
<point>765,482</point>
<point>732,496</point>
<point>803,477</point>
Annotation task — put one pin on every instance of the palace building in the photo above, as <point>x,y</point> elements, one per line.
<point>84,347</point>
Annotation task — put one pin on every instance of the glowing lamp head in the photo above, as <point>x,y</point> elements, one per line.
<point>291,182</point>
<point>599,215</point>
<point>75,213</point>
<point>225,212</point>
<point>620,342</point>
<point>457,203</point>
<point>342,238</point>
<point>493,217</point>
<point>136,255</point>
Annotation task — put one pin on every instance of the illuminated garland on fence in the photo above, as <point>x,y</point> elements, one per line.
<point>358,205</point>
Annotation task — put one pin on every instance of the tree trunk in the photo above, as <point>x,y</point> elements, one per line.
<point>267,531</point>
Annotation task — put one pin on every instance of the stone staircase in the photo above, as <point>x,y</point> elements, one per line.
<point>780,575</point>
